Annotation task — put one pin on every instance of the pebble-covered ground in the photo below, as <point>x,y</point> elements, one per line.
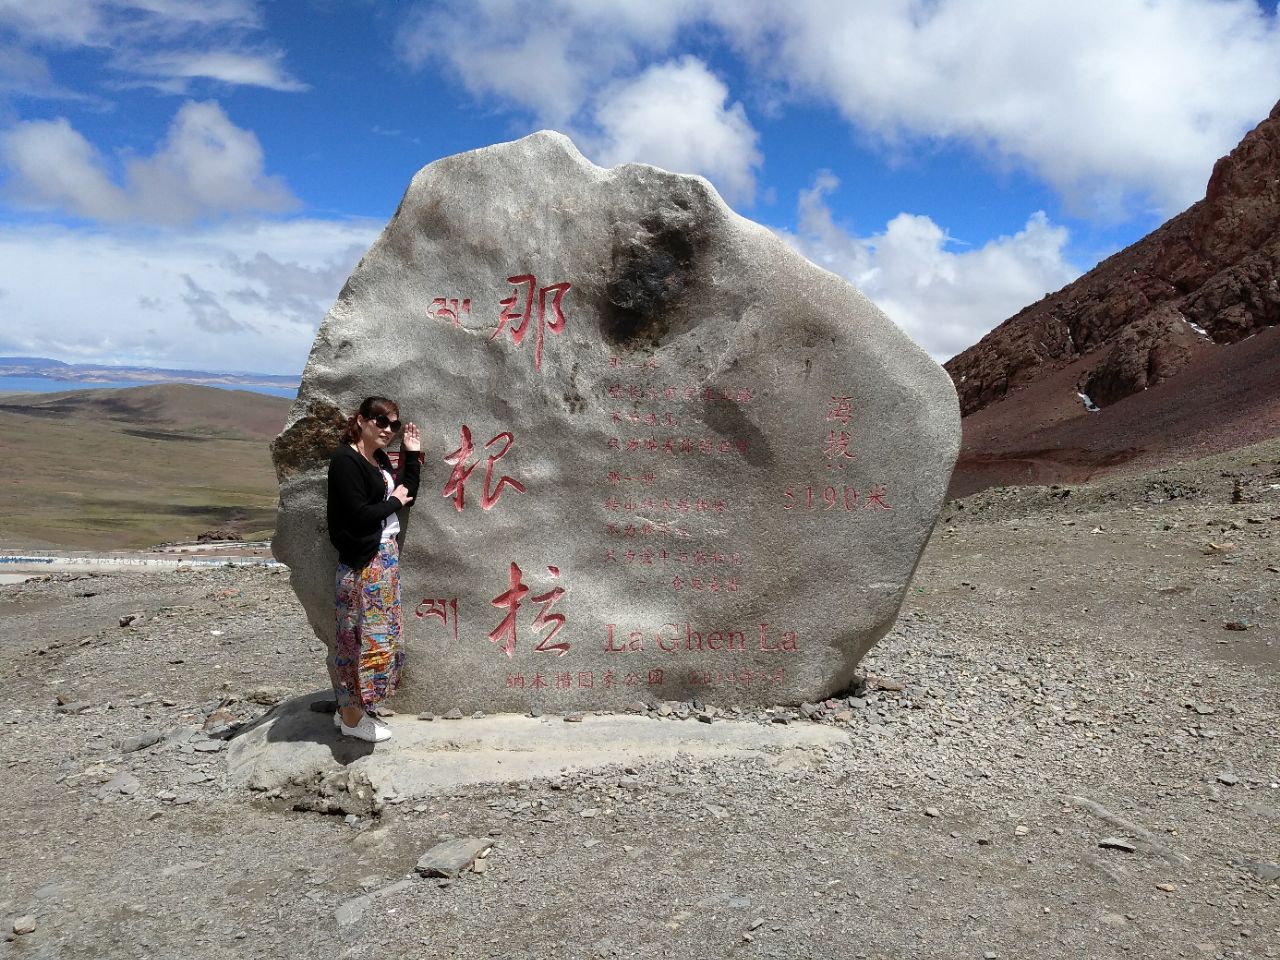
<point>1069,746</point>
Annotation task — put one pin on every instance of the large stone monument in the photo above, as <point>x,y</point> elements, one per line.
<point>665,456</point>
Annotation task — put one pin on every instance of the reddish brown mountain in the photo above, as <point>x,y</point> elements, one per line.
<point>1170,339</point>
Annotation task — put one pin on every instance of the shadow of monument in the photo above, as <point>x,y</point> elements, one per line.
<point>309,719</point>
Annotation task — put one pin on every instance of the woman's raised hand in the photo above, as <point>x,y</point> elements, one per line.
<point>412,440</point>
<point>401,493</point>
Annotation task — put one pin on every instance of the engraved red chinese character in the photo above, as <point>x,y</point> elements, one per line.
<point>841,410</point>
<point>522,316</point>
<point>505,632</point>
<point>838,446</point>
<point>455,488</point>
<point>875,498</point>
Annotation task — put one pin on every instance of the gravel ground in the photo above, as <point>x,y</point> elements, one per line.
<point>1068,746</point>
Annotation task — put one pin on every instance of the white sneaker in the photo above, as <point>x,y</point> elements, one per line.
<point>367,729</point>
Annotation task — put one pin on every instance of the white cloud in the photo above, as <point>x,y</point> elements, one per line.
<point>546,56</point>
<point>674,115</point>
<point>51,166</point>
<point>946,300</point>
<point>1112,102</point>
<point>244,296</point>
<point>206,167</point>
<point>576,65</point>
<point>245,69</point>
<point>170,42</point>
<point>23,73</point>
<point>1099,97</point>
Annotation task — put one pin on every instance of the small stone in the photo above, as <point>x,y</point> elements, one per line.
<point>1236,625</point>
<point>210,746</point>
<point>123,782</point>
<point>451,857</point>
<point>454,714</point>
<point>1116,843</point>
<point>639,706</point>
<point>426,715</point>
<point>1021,831</point>
<point>129,618</point>
<point>990,955</point>
<point>932,812</point>
<point>1230,779</point>
<point>140,741</point>
<point>589,813</point>
<point>573,718</point>
<point>478,715</point>
<point>1264,871</point>
<point>664,710</point>
<point>1167,887</point>
<point>351,911</point>
<point>704,717</point>
<point>24,924</point>
<point>77,706</point>
<point>984,841</point>
<point>756,924</point>
<point>809,710</point>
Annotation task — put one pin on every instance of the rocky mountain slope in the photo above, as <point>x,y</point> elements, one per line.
<point>1160,313</point>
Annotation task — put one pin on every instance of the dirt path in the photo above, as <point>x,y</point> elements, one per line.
<point>1068,677</point>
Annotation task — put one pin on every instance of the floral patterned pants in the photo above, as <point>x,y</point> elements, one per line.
<point>368,655</point>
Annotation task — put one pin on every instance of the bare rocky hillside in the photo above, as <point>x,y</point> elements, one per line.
<point>1151,356</point>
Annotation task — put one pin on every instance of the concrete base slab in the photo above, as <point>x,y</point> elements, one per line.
<point>296,750</point>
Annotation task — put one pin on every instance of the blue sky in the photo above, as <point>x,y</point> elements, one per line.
<point>187,183</point>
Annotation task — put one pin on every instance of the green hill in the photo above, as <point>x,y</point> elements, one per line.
<point>106,469</point>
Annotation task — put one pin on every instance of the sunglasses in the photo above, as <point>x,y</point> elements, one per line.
<point>382,422</point>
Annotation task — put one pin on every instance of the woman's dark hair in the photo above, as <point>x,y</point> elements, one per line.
<point>372,407</point>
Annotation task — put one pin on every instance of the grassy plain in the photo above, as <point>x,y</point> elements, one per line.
<point>130,468</point>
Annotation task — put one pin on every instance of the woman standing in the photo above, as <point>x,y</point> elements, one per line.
<point>363,525</point>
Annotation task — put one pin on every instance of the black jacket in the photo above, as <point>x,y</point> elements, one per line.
<point>356,501</point>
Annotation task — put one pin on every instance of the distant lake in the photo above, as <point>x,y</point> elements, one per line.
<point>45,385</point>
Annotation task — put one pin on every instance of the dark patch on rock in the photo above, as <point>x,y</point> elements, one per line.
<point>308,442</point>
<point>727,419</point>
<point>654,262</point>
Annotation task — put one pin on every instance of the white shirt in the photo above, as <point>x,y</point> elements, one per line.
<point>391,525</point>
